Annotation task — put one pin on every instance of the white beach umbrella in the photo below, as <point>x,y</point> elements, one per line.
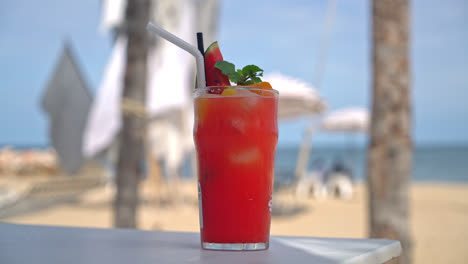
<point>347,120</point>
<point>296,97</point>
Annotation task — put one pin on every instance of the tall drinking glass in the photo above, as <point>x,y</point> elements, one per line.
<point>235,134</point>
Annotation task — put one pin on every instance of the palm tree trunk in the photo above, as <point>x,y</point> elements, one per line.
<point>133,129</point>
<point>390,150</point>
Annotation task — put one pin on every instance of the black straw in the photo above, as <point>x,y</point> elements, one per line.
<point>200,43</point>
<point>200,47</point>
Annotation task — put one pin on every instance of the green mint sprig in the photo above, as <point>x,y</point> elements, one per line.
<point>250,74</point>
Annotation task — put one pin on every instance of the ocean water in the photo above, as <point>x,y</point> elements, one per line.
<point>432,164</point>
<point>442,164</point>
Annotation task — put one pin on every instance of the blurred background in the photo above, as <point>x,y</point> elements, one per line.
<point>62,64</point>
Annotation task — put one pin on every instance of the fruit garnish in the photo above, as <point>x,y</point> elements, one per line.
<point>261,89</point>
<point>214,76</point>
<point>229,92</point>
<point>249,75</point>
<point>262,85</point>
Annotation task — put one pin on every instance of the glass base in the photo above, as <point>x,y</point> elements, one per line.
<point>235,246</point>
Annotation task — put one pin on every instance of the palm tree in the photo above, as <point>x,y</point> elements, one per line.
<point>133,129</point>
<point>390,149</point>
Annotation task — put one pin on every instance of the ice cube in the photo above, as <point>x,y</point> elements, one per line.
<point>244,92</point>
<point>246,156</point>
<point>248,100</point>
<point>239,125</point>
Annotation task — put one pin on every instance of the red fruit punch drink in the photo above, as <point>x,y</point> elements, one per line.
<point>235,133</point>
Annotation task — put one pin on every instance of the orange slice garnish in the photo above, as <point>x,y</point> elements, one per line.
<point>263,86</point>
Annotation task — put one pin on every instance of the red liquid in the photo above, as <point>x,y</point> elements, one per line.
<point>236,140</point>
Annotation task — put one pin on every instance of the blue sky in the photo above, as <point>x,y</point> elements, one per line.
<point>271,34</point>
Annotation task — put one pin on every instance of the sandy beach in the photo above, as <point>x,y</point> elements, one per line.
<point>439,216</point>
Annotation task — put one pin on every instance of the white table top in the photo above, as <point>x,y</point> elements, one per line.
<point>48,244</point>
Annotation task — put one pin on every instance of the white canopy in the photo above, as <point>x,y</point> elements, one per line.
<point>350,119</point>
<point>103,121</point>
<point>113,12</point>
<point>169,83</point>
<point>296,97</point>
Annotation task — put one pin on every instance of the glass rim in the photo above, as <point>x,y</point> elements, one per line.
<point>249,88</point>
